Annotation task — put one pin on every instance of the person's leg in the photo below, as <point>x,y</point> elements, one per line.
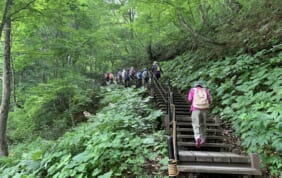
<point>196,126</point>
<point>158,76</point>
<point>203,122</point>
<point>146,82</point>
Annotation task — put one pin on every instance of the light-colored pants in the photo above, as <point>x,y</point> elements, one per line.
<point>199,118</point>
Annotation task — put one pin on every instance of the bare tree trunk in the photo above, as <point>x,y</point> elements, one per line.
<point>6,91</point>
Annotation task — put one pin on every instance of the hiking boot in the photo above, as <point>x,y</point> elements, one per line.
<point>198,143</point>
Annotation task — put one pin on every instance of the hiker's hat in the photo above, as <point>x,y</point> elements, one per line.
<point>198,84</point>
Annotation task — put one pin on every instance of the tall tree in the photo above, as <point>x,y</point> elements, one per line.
<point>6,82</point>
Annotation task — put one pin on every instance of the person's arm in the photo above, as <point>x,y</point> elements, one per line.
<point>190,95</point>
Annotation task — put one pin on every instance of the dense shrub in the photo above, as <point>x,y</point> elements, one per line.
<point>121,140</point>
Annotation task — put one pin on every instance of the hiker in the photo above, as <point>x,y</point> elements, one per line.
<point>119,76</point>
<point>156,69</point>
<point>200,99</point>
<point>145,77</point>
<point>107,78</point>
<point>132,73</point>
<point>125,78</point>
<point>111,78</point>
<point>139,79</point>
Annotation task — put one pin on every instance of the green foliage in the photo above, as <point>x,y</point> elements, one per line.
<point>54,41</point>
<point>50,109</point>
<point>116,142</point>
<point>246,91</point>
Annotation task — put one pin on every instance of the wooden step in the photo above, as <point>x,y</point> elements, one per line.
<point>191,130</point>
<point>187,118</point>
<point>208,124</point>
<point>218,169</point>
<point>176,102</point>
<point>179,101</point>
<point>213,157</point>
<point>182,104</point>
<point>208,137</point>
<point>205,145</point>
<point>183,115</point>
<point>179,110</point>
<point>179,98</point>
<point>183,107</point>
<point>187,112</point>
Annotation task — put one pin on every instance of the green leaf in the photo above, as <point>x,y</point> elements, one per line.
<point>37,155</point>
<point>149,140</point>
<point>106,175</point>
<point>96,172</point>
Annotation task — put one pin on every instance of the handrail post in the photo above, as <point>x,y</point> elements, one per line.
<point>169,100</point>
<point>168,105</point>
<point>170,153</point>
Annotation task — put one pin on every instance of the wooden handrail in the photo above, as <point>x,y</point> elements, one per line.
<point>174,134</point>
<point>167,97</point>
<point>159,87</point>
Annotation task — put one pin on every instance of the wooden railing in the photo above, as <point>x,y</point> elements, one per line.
<point>161,90</point>
<point>167,96</point>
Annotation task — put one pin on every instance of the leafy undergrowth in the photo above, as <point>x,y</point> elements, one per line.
<point>50,109</point>
<point>121,140</point>
<point>246,92</point>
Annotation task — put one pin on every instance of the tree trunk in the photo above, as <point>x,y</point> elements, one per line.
<point>4,15</point>
<point>6,89</point>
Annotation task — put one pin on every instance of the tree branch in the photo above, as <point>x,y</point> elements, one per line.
<point>194,33</point>
<point>22,8</point>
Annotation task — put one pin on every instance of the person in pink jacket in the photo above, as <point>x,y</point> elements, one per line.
<point>200,99</point>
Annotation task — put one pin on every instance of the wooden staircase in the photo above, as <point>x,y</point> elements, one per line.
<point>215,156</point>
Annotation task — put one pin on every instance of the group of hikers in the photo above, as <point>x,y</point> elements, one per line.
<point>198,96</point>
<point>128,76</point>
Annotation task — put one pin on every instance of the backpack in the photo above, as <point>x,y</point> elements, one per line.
<point>132,71</point>
<point>139,75</point>
<point>200,98</point>
<point>158,69</point>
<point>126,76</point>
<point>145,74</point>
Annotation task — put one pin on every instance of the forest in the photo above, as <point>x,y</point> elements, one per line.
<point>55,54</point>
